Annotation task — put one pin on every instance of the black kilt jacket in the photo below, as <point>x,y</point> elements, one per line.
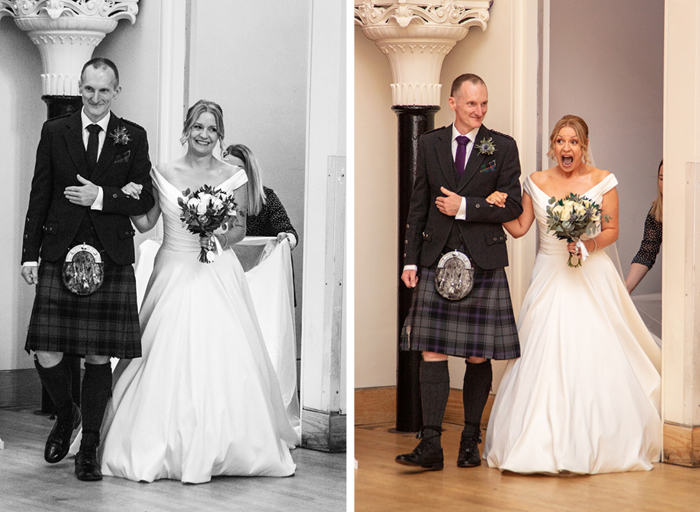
<point>428,229</point>
<point>52,221</point>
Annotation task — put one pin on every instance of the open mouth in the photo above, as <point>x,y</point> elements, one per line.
<point>567,160</point>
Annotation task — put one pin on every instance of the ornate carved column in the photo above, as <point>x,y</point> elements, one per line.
<point>66,33</point>
<point>415,36</point>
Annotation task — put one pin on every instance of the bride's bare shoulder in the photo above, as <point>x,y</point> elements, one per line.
<point>167,169</point>
<point>541,178</point>
<point>227,169</point>
<point>599,174</point>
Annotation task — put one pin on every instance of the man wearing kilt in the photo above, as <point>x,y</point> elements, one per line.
<point>82,162</point>
<point>457,168</point>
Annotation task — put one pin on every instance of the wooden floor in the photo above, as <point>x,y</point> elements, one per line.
<point>27,483</point>
<point>382,485</point>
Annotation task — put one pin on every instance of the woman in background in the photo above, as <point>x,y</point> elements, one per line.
<point>266,215</point>
<point>651,243</point>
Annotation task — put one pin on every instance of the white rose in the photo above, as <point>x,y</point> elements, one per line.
<point>202,208</point>
<point>565,214</point>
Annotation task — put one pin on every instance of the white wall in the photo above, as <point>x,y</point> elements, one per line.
<point>607,67</point>
<point>376,218</point>
<point>23,113</point>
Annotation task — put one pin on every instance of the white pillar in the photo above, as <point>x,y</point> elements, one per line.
<point>323,375</point>
<point>66,34</point>
<point>416,35</point>
<point>681,238</point>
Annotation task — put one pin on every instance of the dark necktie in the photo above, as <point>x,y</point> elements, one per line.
<point>461,155</point>
<point>93,143</point>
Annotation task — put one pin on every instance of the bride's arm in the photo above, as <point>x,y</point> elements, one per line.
<point>236,231</point>
<point>517,227</point>
<point>147,221</point>
<point>610,230</point>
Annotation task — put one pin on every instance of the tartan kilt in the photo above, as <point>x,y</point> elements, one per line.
<point>105,323</point>
<point>481,324</point>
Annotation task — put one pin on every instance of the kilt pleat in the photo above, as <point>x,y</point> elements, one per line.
<point>481,324</point>
<point>105,323</point>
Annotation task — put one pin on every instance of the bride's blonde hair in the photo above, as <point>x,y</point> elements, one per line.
<point>581,129</point>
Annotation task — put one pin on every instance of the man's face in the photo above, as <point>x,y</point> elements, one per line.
<point>470,106</point>
<point>98,88</point>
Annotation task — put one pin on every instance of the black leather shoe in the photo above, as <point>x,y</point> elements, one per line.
<point>87,468</point>
<point>428,453</point>
<point>469,456</point>
<point>58,442</point>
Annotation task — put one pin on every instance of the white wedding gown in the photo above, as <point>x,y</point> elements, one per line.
<point>584,395</point>
<point>204,399</point>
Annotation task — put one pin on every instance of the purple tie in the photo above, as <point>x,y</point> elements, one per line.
<point>461,156</point>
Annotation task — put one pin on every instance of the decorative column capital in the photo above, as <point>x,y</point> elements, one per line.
<point>67,32</point>
<point>415,35</point>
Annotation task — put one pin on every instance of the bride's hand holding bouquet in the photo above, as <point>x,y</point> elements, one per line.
<point>205,211</point>
<point>572,217</point>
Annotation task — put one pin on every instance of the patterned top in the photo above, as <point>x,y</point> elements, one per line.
<point>271,220</point>
<point>651,243</point>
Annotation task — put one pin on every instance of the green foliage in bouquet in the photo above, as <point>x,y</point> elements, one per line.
<point>204,211</point>
<point>572,217</point>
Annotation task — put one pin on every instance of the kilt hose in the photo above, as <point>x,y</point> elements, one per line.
<point>480,325</point>
<point>105,323</point>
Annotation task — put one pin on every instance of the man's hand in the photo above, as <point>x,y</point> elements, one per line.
<point>132,189</point>
<point>83,195</point>
<point>30,274</point>
<point>450,204</point>
<point>410,277</point>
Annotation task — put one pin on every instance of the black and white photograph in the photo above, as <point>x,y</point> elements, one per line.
<point>173,322</point>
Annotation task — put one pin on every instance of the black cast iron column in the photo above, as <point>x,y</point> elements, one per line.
<point>58,106</point>
<point>413,121</point>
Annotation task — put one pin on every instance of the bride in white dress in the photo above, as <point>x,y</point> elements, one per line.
<point>584,395</point>
<point>204,399</point>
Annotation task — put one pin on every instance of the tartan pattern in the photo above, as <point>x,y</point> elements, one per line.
<point>105,323</point>
<point>481,324</point>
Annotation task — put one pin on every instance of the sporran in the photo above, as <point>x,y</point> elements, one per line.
<point>83,270</point>
<point>454,276</point>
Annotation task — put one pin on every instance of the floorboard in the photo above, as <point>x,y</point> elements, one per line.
<point>382,485</point>
<point>30,484</point>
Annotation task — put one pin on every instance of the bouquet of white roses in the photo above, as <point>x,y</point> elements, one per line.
<point>204,211</point>
<point>571,217</point>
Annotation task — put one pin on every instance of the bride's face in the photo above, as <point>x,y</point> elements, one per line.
<point>204,134</point>
<point>567,149</point>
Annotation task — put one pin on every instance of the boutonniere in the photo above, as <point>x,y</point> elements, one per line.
<point>486,147</point>
<point>120,136</point>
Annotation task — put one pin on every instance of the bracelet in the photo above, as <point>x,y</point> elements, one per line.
<point>595,246</point>
<point>225,245</point>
